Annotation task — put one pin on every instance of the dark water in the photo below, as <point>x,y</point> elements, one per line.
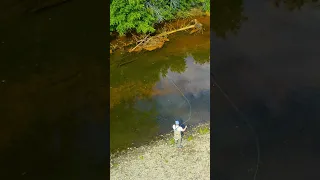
<point>54,95</point>
<point>145,94</point>
<point>269,68</point>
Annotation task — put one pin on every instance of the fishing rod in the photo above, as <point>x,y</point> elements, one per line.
<point>245,120</point>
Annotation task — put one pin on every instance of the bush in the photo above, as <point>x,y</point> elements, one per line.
<point>125,17</point>
<point>141,15</point>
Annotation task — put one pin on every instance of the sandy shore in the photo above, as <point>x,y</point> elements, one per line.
<point>162,160</point>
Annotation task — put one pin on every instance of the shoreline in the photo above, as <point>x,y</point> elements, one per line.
<point>122,42</point>
<point>160,159</point>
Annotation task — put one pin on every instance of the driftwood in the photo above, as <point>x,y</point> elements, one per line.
<point>155,42</point>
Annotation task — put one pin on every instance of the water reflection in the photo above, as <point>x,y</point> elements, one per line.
<point>292,5</point>
<point>227,16</point>
<point>144,102</point>
<point>269,71</point>
<point>195,85</point>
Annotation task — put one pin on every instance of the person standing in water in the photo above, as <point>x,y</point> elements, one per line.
<point>177,133</point>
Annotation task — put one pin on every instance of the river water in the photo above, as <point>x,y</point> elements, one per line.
<point>159,87</point>
<point>269,69</point>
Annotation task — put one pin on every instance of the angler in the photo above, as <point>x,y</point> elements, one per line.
<point>177,133</point>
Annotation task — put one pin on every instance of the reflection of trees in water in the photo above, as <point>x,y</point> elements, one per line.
<point>200,57</point>
<point>179,67</point>
<point>226,16</point>
<point>293,4</point>
<point>139,78</point>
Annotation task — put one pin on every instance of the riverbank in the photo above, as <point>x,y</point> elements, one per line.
<point>123,43</point>
<point>162,160</point>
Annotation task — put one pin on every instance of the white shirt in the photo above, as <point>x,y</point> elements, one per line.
<point>179,128</point>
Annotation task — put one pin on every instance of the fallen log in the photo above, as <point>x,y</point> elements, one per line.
<point>158,41</point>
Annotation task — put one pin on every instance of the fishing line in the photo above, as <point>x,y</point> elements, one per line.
<point>190,108</point>
<point>246,121</point>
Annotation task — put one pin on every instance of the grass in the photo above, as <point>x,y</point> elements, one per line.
<point>203,130</point>
<point>115,165</point>
<point>190,138</point>
<point>171,141</point>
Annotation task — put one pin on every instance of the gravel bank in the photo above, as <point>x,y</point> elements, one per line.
<point>162,160</point>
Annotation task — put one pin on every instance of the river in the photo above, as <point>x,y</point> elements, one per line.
<point>145,95</point>
<point>269,69</point>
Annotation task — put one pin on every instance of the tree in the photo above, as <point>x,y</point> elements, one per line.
<point>130,16</point>
<point>141,15</point>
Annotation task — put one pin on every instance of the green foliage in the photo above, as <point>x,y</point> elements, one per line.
<point>171,141</point>
<point>160,10</point>
<point>127,16</point>
<point>206,5</point>
<point>190,138</point>
<point>203,130</point>
<point>141,15</point>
